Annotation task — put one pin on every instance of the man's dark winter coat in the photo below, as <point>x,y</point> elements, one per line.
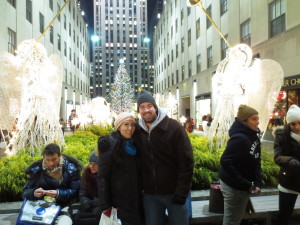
<point>68,189</point>
<point>167,159</point>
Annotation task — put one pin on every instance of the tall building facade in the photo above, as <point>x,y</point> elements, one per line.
<point>67,37</point>
<point>187,47</point>
<point>121,26</point>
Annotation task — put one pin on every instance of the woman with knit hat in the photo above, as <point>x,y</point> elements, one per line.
<point>287,156</point>
<point>119,172</point>
<point>89,211</point>
<point>240,173</point>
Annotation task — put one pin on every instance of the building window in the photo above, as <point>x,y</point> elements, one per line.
<point>198,28</point>
<point>51,34</point>
<point>224,47</point>
<point>58,42</point>
<point>11,41</point>
<point>198,60</point>
<point>177,76</point>
<point>182,44</point>
<point>188,10</point>
<point>182,72</point>
<point>223,6</point>
<point>65,22</point>
<point>177,51</point>
<point>277,17</point>
<point>190,68</point>
<point>41,23</point>
<point>208,23</point>
<point>51,4</point>
<point>65,48</point>
<point>176,25</point>
<point>29,10</point>
<point>245,32</point>
<point>12,2</point>
<point>58,8</point>
<point>181,17</point>
<point>209,57</point>
<point>189,37</point>
<point>70,54</point>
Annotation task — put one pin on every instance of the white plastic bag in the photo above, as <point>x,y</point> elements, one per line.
<point>111,219</point>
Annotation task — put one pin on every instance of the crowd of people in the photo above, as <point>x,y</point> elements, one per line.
<point>145,168</point>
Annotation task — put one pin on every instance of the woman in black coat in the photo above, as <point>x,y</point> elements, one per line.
<point>287,156</point>
<point>118,177</point>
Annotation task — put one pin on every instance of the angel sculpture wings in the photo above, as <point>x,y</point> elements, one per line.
<point>240,80</point>
<point>31,84</point>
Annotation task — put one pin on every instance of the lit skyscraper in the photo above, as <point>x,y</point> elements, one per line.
<point>121,26</point>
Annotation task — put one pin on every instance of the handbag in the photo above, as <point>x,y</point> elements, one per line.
<point>110,217</point>
<point>38,212</point>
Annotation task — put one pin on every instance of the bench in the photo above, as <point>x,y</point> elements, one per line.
<point>265,207</point>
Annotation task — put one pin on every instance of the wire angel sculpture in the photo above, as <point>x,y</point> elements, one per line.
<point>39,96</point>
<point>240,80</point>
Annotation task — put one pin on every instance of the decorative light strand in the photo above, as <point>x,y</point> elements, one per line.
<point>47,28</point>
<point>199,3</point>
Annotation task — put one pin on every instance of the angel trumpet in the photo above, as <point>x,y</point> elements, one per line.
<point>194,2</point>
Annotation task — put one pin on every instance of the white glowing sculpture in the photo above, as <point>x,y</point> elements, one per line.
<point>239,80</point>
<point>41,77</point>
<point>10,91</point>
<point>100,111</point>
<point>84,114</point>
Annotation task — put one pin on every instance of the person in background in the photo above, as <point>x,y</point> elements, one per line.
<point>56,176</point>
<point>119,172</point>
<point>89,211</point>
<point>240,173</point>
<point>74,121</point>
<point>62,124</point>
<point>167,163</point>
<point>188,125</point>
<point>204,123</point>
<point>287,156</point>
<point>193,124</point>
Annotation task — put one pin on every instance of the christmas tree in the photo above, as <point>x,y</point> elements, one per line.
<point>122,92</point>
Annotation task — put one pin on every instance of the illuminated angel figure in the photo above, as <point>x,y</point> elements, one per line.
<point>40,88</point>
<point>240,80</point>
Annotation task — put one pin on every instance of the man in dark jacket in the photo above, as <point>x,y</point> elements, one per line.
<point>55,176</point>
<point>167,163</point>
<point>240,171</point>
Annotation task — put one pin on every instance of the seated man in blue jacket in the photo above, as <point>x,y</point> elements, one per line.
<point>56,176</point>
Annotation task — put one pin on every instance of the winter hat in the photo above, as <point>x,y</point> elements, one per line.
<point>244,112</point>
<point>93,157</point>
<point>122,117</point>
<point>293,114</point>
<point>145,96</point>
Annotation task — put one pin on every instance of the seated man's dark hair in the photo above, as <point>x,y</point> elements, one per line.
<point>51,149</point>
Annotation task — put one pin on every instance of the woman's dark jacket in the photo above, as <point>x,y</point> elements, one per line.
<point>68,189</point>
<point>240,162</point>
<point>119,179</point>
<point>287,156</point>
<point>88,194</point>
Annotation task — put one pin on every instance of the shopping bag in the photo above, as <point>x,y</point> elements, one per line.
<point>38,212</point>
<point>110,217</point>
